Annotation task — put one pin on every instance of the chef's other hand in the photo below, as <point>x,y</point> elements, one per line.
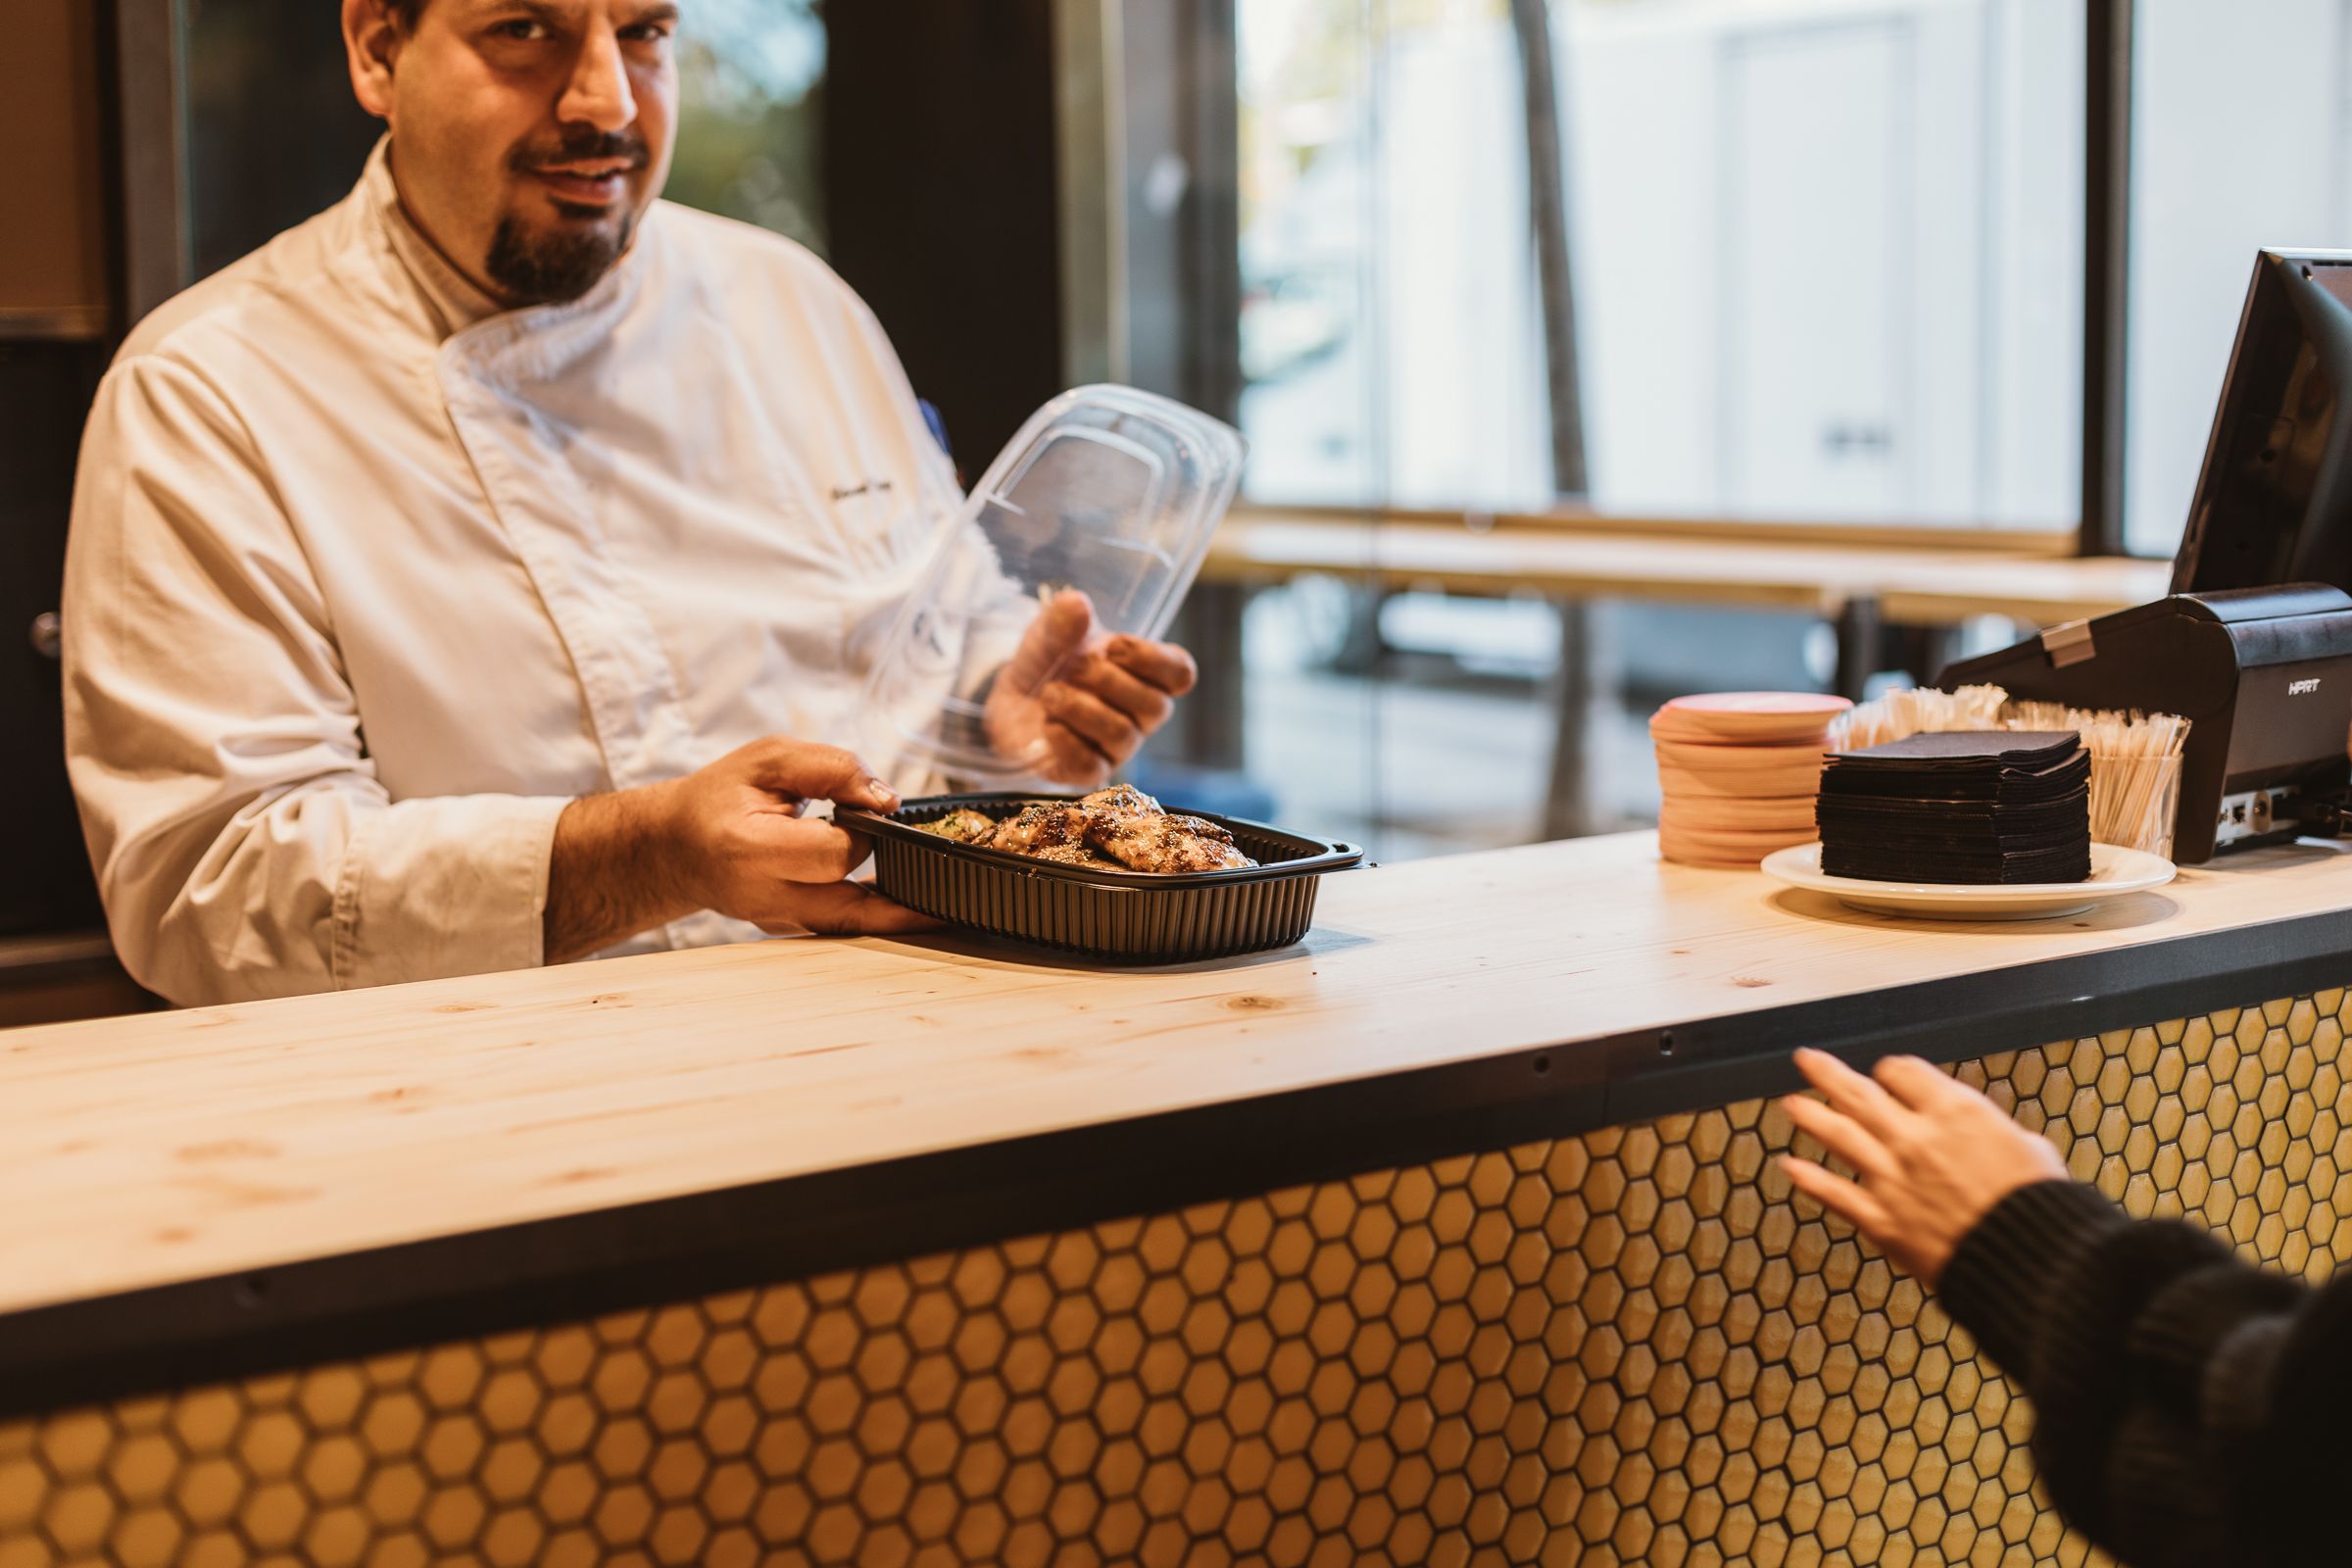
<point>1934,1155</point>
<point>745,848</point>
<point>1090,698</point>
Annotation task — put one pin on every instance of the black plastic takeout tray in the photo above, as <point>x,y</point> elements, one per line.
<point>1120,916</point>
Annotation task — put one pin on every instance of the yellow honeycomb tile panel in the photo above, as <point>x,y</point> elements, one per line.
<point>1628,1346</point>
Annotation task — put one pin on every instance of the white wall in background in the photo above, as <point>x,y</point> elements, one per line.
<point>1863,296</point>
<point>2239,141</point>
<point>1816,274</point>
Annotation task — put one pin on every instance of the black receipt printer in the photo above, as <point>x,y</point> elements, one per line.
<point>2254,647</point>
<point>2263,676</point>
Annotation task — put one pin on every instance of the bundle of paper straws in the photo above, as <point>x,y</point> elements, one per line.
<point>1920,711</point>
<point>2134,757</point>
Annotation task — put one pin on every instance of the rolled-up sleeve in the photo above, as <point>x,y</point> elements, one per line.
<point>243,842</point>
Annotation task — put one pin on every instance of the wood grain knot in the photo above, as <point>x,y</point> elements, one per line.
<point>1750,981</point>
<point>466,1007</point>
<point>1256,1004</point>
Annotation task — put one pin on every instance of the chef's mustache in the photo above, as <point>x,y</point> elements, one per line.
<point>579,146</point>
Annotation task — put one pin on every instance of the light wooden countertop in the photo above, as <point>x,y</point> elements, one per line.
<point>151,1150</point>
<point>1915,586</point>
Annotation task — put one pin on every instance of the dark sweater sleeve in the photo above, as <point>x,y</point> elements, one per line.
<point>2189,1409</point>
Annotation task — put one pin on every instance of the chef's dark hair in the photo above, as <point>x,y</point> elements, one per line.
<point>404,12</point>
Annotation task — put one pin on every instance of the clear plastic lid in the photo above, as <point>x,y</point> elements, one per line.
<point>1108,491</point>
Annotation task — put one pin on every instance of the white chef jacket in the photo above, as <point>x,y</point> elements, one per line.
<point>367,578</point>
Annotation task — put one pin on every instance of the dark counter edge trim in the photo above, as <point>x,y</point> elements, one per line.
<point>671,1250</point>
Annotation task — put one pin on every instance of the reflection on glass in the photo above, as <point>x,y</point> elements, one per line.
<point>750,75</point>
<point>2242,138</point>
<point>1827,258</point>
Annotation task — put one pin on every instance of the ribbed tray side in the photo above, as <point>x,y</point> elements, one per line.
<point>1174,924</point>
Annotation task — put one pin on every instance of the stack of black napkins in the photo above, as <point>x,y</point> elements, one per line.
<point>1965,807</point>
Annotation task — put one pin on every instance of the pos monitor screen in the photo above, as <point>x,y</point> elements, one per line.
<point>2273,501</point>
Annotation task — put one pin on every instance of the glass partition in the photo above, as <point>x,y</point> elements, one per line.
<point>1824,265</point>
<point>1824,260</point>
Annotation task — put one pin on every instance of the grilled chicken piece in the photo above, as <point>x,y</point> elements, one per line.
<point>1123,798</point>
<point>964,826</point>
<point>1164,843</point>
<point>1042,825</point>
<point>1117,829</point>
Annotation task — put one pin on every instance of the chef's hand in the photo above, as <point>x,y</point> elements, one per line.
<point>1934,1155</point>
<point>729,837</point>
<point>1094,712</point>
<point>746,850</point>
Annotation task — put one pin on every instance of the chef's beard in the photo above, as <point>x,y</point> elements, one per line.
<point>536,267</point>
<point>532,266</point>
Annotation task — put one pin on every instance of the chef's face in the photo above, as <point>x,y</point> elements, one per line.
<point>528,135</point>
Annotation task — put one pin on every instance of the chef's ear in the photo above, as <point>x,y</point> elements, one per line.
<point>372,34</point>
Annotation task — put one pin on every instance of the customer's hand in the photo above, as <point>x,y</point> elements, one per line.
<point>744,848</point>
<point>1934,1155</point>
<point>1092,713</point>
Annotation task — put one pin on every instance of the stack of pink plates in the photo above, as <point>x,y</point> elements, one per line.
<point>1739,773</point>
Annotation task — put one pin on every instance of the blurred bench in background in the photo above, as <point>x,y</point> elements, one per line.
<point>1871,583</point>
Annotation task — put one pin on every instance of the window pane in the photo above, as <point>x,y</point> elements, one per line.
<point>1827,262</point>
<point>750,74</point>
<point>2239,140</point>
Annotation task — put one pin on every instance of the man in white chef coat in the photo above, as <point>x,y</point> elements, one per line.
<point>461,581</point>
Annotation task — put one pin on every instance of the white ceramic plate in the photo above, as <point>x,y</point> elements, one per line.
<point>2114,872</point>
